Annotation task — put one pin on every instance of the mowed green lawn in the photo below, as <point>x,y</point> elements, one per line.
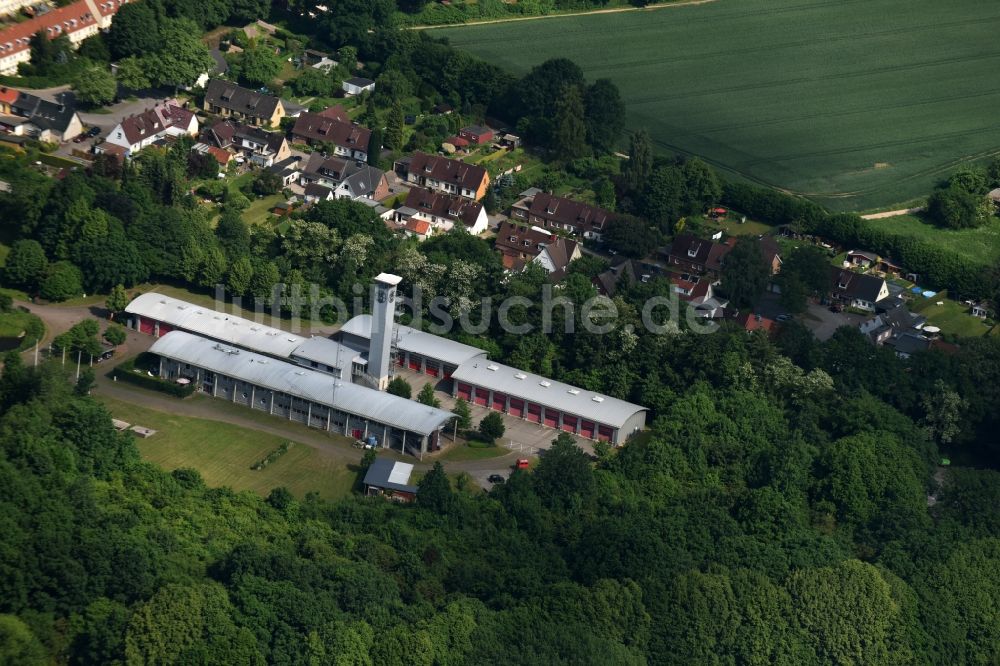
<point>981,244</point>
<point>223,454</point>
<point>854,103</point>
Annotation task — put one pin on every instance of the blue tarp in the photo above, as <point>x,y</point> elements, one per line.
<point>916,290</point>
<point>929,294</point>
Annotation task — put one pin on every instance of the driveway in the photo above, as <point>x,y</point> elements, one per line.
<point>823,323</point>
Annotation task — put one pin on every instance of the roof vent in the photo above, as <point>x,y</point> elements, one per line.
<point>255,328</point>
<point>520,375</point>
<point>300,372</point>
<point>545,383</point>
<point>493,367</point>
<point>574,391</point>
<point>597,398</point>
<point>291,339</point>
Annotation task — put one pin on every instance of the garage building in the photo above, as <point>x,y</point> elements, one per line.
<point>422,352</point>
<point>299,394</point>
<point>547,402</point>
<point>157,315</point>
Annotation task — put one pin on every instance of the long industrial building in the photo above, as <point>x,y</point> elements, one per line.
<point>547,402</point>
<point>369,348</point>
<point>299,394</point>
<point>155,314</point>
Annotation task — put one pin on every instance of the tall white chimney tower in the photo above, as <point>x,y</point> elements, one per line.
<point>383,316</point>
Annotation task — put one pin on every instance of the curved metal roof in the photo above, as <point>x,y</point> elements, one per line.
<point>548,392</point>
<point>418,342</point>
<point>217,325</point>
<point>301,382</point>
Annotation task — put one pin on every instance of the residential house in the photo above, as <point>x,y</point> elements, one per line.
<point>314,192</point>
<point>870,261</point>
<point>357,85</point>
<point>610,281</point>
<point>42,119</point>
<point>856,289</point>
<point>349,179</point>
<point>78,21</point>
<point>907,344</point>
<point>443,211</point>
<point>333,127</point>
<point>698,255</point>
<point>225,98</point>
<point>449,176</point>
<point>287,170</point>
<point>890,324</point>
<point>477,135</point>
<point>223,157</point>
<point>693,289</point>
<point>261,147</point>
<point>7,97</point>
<point>771,252</point>
<point>545,210</point>
<point>167,119</point>
<point>520,245</point>
<point>750,322</point>
<point>410,226</point>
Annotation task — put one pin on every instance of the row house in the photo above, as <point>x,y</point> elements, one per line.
<point>520,245</point>
<point>443,175</point>
<point>225,98</point>
<point>441,212</point>
<point>332,127</point>
<point>551,212</point>
<point>342,179</point>
<point>135,132</point>
<point>261,147</point>
<point>78,21</point>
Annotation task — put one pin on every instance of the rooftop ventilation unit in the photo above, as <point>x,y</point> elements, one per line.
<point>544,383</point>
<point>574,391</point>
<point>520,375</point>
<point>493,367</point>
<point>597,398</point>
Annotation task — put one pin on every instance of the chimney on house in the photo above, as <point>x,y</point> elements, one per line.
<point>383,317</point>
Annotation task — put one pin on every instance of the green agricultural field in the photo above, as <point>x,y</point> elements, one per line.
<point>854,103</point>
<point>223,454</point>
<point>981,244</point>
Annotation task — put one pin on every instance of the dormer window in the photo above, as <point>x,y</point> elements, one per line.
<point>693,253</point>
<point>513,239</point>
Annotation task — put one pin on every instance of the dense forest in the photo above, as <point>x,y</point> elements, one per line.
<point>786,506</point>
<point>772,514</point>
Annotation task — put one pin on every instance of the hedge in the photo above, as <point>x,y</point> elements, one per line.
<point>127,372</point>
<point>938,268</point>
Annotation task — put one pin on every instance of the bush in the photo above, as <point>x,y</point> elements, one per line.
<point>128,372</point>
<point>271,457</point>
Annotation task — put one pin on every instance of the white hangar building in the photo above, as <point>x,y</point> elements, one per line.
<point>299,394</point>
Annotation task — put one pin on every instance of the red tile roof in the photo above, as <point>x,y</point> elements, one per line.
<point>454,172</point>
<point>8,95</point>
<point>68,19</point>
<point>155,121</point>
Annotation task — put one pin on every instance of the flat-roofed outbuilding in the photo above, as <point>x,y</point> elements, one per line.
<point>391,479</point>
<point>299,394</point>
<point>547,402</point>
<point>422,352</point>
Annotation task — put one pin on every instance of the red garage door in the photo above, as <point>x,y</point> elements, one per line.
<point>165,328</point>
<point>499,402</point>
<point>482,395</point>
<point>535,413</point>
<point>587,429</point>
<point>569,423</point>
<point>551,418</point>
<point>448,370</point>
<point>357,433</point>
<point>604,433</point>
<point>415,363</point>
<point>516,407</point>
<point>399,361</point>
<point>464,391</point>
<point>432,369</point>
<point>145,325</point>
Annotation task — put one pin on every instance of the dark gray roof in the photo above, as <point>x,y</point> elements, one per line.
<point>386,473</point>
<point>228,95</point>
<point>45,115</point>
<point>359,81</point>
<point>907,343</point>
<point>857,285</point>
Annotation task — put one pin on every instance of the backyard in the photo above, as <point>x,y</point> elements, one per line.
<point>951,316</point>
<point>223,454</point>
<point>981,245</point>
<point>854,109</point>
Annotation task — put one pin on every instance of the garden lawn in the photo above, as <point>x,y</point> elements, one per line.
<point>223,454</point>
<point>856,104</point>
<point>12,324</point>
<point>952,316</point>
<point>981,245</point>
<point>259,212</point>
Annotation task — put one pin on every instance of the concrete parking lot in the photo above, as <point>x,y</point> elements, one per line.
<point>824,323</point>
